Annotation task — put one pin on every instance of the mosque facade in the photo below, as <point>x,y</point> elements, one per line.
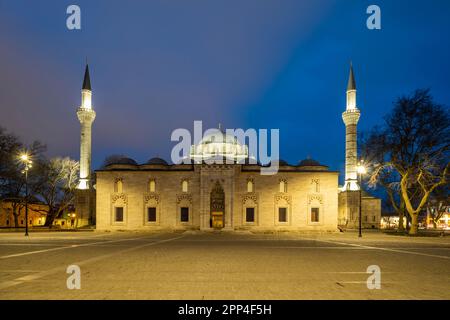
<point>232,195</point>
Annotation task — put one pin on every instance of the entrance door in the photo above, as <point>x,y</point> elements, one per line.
<point>217,219</point>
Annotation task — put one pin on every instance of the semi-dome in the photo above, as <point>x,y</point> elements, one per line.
<point>219,145</point>
<point>157,160</point>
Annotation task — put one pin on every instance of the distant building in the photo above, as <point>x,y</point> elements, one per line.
<point>443,223</point>
<point>67,219</point>
<point>36,214</point>
<point>391,222</point>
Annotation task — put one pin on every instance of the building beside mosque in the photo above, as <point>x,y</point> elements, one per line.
<point>229,196</point>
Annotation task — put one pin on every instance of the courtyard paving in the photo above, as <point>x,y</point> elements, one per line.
<point>197,265</point>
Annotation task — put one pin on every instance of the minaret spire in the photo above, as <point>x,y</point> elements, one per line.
<point>87,79</point>
<point>351,79</point>
<point>351,90</point>
<point>351,117</point>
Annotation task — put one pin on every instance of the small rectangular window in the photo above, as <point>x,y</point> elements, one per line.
<point>282,214</point>
<point>152,186</point>
<point>374,218</point>
<point>151,214</point>
<point>184,186</point>
<point>283,186</point>
<point>249,186</point>
<point>314,214</point>
<point>184,214</point>
<point>250,214</point>
<point>118,186</point>
<point>119,214</point>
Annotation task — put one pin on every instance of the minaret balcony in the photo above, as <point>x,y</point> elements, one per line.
<point>351,116</point>
<point>86,114</point>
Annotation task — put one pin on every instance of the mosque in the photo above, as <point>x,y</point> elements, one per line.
<point>198,195</point>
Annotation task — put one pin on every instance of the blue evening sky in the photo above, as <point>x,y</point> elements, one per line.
<point>159,65</point>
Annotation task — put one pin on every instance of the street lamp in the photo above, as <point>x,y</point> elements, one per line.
<point>361,169</point>
<point>25,159</point>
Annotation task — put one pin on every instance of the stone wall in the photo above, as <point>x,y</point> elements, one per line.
<point>304,191</point>
<point>349,211</point>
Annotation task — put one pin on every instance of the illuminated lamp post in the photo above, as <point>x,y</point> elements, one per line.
<point>361,169</point>
<point>25,159</point>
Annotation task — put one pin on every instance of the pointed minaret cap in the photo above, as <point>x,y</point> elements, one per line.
<point>87,79</point>
<point>351,79</point>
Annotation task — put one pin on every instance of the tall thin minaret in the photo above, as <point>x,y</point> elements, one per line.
<point>86,116</point>
<point>351,117</point>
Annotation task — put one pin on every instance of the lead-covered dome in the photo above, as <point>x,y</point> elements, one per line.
<point>118,159</point>
<point>309,163</point>
<point>157,160</point>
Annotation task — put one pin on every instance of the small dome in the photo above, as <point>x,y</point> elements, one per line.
<point>280,163</point>
<point>309,163</point>
<point>119,159</point>
<point>157,160</point>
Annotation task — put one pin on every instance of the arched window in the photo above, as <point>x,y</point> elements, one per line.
<point>118,186</point>
<point>151,185</point>
<point>249,186</point>
<point>184,186</point>
<point>283,186</point>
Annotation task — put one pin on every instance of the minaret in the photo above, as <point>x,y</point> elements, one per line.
<point>86,116</point>
<point>351,118</point>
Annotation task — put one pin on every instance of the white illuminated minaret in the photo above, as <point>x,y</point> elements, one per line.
<point>351,117</point>
<point>86,116</point>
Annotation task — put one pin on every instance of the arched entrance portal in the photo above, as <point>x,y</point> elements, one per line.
<point>217,220</point>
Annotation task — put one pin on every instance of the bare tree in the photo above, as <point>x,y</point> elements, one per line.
<point>370,146</point>
<point>410,153</point>
<point>58,181</point>
<point>11,178</point>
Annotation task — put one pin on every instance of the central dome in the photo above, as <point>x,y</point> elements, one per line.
<point>219,145</point>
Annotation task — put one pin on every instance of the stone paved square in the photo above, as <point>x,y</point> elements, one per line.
<point>222,265</point>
